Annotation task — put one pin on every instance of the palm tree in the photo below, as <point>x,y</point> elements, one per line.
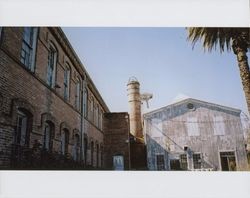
<point>233,38</point>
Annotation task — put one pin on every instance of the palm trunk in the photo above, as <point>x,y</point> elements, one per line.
<point>244,73</point>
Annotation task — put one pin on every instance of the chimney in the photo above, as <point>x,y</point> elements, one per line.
<point>134,100</point>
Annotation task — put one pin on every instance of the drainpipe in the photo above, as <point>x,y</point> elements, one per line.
<point>82,157</point>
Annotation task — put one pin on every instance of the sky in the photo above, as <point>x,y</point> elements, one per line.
<point>162,60</point>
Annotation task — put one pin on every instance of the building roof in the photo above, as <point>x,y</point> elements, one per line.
<point>182,99</point>
<point>79,65</point>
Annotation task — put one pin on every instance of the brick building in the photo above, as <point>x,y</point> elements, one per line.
<point>116,140</point>
<point>50,110</point>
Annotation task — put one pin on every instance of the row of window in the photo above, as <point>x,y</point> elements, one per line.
<point>227,162</point>
<point>28,59</point>
<point>179,164</point>
<point>192,126</point>
<point>24,127</point>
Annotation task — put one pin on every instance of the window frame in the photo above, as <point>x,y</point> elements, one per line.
<point>183,161</point>
<point>66,82</point>
<point>76,148</point>
<point>28,49</point>
<point>78,94</point>
<point>92,108</point>
<point>85,102</point>
<point>65,141</point>
<point>51,73</point>
<point>101,120</point>
<point>197,165</point>
<point>92,153</point>
<point>48,145</point>
<point>219,125</point>
<point>160,158</point>
<point>1,29</point>
<point>22,133</point>
<point>192,125</point>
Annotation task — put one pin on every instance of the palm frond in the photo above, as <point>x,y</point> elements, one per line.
<point>212,38</point>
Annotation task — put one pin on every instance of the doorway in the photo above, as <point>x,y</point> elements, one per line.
<point>228,161</point>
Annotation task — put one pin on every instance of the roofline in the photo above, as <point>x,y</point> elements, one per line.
<point>88,78</point>
<point>196,100</point>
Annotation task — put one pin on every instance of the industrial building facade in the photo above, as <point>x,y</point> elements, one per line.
<point>195,135</point>
<point>53,117</point>
<point>50,110</point>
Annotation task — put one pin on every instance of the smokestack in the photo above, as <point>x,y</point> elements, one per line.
<point>133,90</point>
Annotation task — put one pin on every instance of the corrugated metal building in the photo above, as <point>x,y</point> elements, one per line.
<point>195,135</point>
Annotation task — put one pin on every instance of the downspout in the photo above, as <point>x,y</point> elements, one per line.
<point>82,157</point>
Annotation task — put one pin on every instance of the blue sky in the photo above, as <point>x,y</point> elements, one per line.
<point>162,60</point>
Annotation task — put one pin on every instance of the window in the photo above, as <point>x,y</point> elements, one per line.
<point>197,161</point>
<point>29,47</point>
<point>101,119</point>
<point>183,162</point>
<point>118,162</point>
<point>91,108</point>
<point>66,83</point>
<point>85,102</point>
<point>77,96</point>
<point>219,127</point>
<point>92,153</point>
<point>76,150</point>
<point>97,155</point>
<point>51,69</point>
<point>101,155</point>
<point>156,128</point>
<point>48,135</point>
<point>160,162</point>
<point>65,141</point>
<point>1,28</point>
<point>23,127</point>
<point>85,149</point>
<point>192,126</point>
<point>96,115</point>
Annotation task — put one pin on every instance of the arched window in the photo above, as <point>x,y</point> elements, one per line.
<point>97,155</point>
<point>51,69</point>
<point>85,149</point>
<point>77,96</point>
<point>24,126</point>
<point>66,82</point>
<point>48,135</point>
<point>76,148</point>
<point>29,47</point>
<point>101,155</point>
<point>92,153</point>
<point>85,103</point>
<point>65,141</point>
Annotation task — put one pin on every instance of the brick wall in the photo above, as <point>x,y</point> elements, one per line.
<point>20,87</point>
<point>116,138</point>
